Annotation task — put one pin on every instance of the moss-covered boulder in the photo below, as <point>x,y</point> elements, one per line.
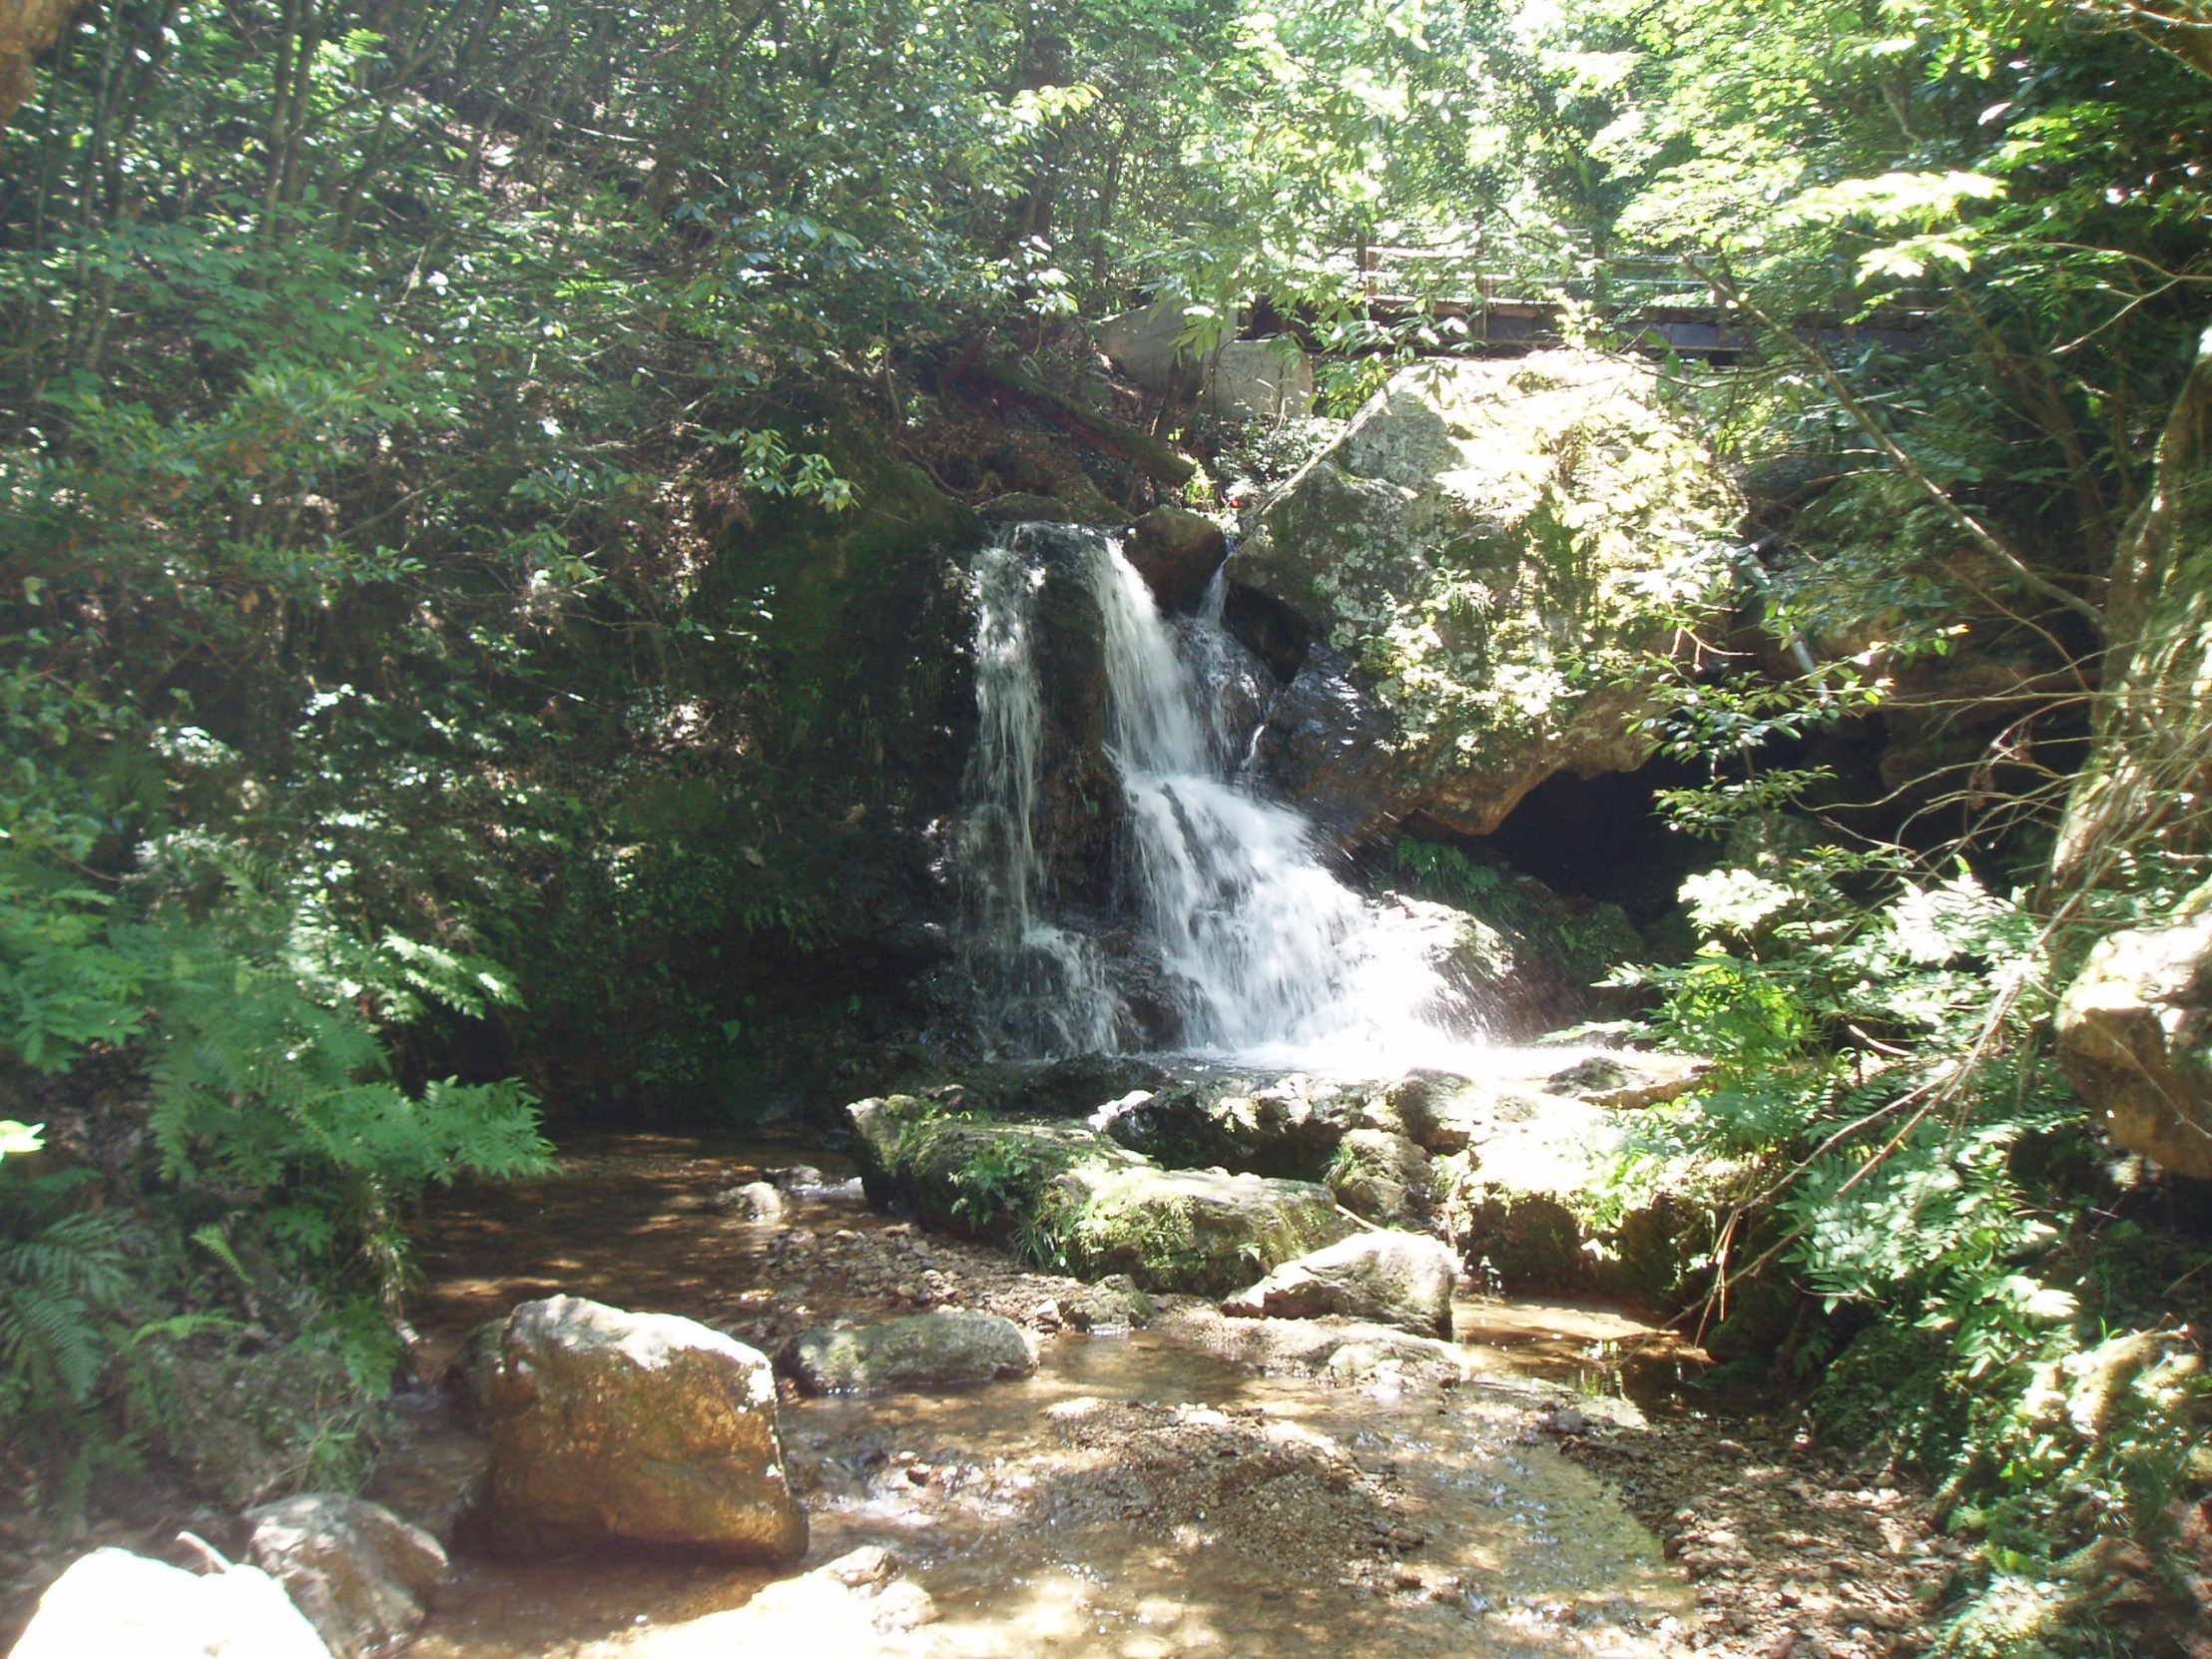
<point>953,1348</point>
<point>1190,1230</point>
<point>1068,1193</point>
<point>1527,1199</point>
<point>1487,549</point>
<point>964,1173</point>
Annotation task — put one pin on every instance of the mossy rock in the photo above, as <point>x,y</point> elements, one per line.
<point>1063,1191</point>
<point>1492,547</point>
<point>1203,1230</point>
<point>1383,1177</point>
<point>1524,1195</point>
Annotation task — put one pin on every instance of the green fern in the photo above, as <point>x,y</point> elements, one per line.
<point>63,1274</point>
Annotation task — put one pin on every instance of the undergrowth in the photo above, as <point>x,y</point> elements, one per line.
<point>1911,1216</point>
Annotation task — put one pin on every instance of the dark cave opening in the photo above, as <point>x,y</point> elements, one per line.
<point>1603,837</point>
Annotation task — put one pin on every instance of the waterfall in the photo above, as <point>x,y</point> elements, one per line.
<point>1047,984</point>
<point>1270,958</point>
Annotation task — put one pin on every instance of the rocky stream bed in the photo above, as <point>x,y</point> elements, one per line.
<point>971,1457</point>
<point>1199,1485</point>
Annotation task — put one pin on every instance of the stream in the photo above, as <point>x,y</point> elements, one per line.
<point>1142,1495</point>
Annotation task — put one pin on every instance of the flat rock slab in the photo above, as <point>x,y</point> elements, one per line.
<point>643,1428</point>
<point>954,1349</point>
<point>1402,1280</point>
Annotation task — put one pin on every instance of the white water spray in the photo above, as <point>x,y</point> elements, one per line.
<point>1272,960</point>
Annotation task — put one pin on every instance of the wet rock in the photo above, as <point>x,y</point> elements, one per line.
<point>2135,1039</point>
<point>1528,960</point>
<point>1403,1280</point>
<point>1515,1199</point>
<point>1368,1357</point>
<point>856,1607</point>
<point>608,1424</point>
<point>1482,546</point>
<point>1081,1084</point>
<point>1382,1177</point>
<point>1176,551</point>
<point>754,1201</point>
<point>1604,1080</point>
<point>800,1178</point>
<point>951,1349</point>
<point>359,1572</point>
<point>1437,1110</point>
<point>1327,746</point>
<point>111,1602</point>
<point>1077,507</point>
<point>468,1377</point>
<point>1289,1128</point>
<point>1107,1208</point>
<point>1114,1304</point>
<point>1190,1230</point>
<point>1599,1074</point>
<point>435,1480</point>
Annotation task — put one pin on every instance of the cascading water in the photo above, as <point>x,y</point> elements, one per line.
<point>1048,983</point>
<point>1268,957</point>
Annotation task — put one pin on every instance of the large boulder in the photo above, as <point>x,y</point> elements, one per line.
<point>966,1174</point>
<point>359,1572</point>
<point>1103,1208</point>
<point>1176,551</point>
<point>951,1349</point>
<point>2135,1038</point>
<point>643,1427</point>
<point>1190,1230</point>
<point>111,1602</point>
<point>1403,1280</point>
<point>1520,1197</point>
<point>1528,960</point>
<point>1291,1127</point>
<point>1489,549</point>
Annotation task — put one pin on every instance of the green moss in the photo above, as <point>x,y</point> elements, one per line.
<point>1496,545</point>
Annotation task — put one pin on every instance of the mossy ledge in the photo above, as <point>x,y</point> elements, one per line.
<point>1066,1195</point>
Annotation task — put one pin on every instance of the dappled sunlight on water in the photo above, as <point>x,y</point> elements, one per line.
<point>1456,1530</point>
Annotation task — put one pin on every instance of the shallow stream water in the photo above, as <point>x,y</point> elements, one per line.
<point>1042,1515</point>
